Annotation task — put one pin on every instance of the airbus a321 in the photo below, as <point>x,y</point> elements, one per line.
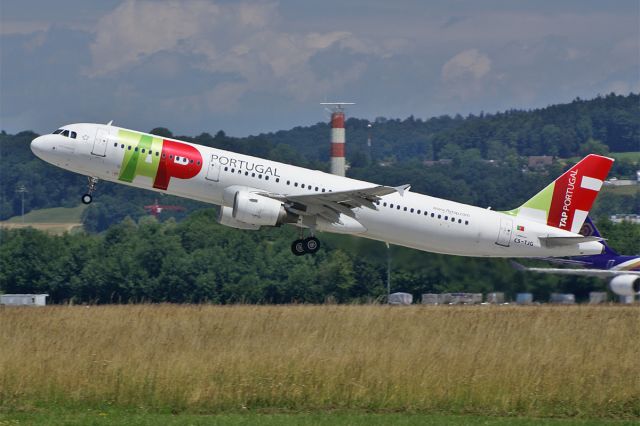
<point>253,192</point>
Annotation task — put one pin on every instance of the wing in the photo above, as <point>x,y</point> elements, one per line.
<point>330,205</point>
<point>600,273</point>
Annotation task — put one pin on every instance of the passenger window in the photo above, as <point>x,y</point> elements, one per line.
<point>295,184</point>
<point>302,186</point>
<point>266,178</point>
<point>143,150</point>
<point>129,147</point>
<point>405,209</point>
<point>277,180</point>
<point>398,207</point>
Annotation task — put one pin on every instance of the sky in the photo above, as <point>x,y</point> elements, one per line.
<point>250,67</point>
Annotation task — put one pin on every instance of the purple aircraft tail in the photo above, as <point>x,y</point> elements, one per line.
<point>589,230</point>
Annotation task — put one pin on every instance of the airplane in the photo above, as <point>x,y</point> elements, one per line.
<point>253,192</point>
<point>624,271</point>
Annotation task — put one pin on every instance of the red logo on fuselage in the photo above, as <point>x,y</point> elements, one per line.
<point>178,160</point>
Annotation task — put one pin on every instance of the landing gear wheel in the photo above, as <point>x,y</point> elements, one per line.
<point>311,245</point>
<point>91,186</point>
<point>297,247</point>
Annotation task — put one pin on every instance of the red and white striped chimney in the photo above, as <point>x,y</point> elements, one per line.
<point>337,136</point>
<point>337,142</point>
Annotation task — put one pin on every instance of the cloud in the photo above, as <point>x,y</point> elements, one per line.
<point>246,39</point>
<point>466,64</point>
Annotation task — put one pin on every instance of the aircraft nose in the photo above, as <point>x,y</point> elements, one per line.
<point>38,146</point>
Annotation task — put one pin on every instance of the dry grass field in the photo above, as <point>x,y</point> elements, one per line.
<point>578,361</point>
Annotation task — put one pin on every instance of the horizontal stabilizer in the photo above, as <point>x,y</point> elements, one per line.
<point>567,241</point>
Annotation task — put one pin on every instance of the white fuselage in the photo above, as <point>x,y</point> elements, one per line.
<point>409,219</point>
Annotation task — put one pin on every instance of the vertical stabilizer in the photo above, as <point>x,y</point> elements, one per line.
<point>589,230</point>
<point>565,203</point>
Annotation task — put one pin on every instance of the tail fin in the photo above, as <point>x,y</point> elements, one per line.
<point>565,203</point>
<point>589,230</point>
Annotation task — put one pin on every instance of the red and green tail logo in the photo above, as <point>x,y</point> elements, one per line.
<point>565,203</point>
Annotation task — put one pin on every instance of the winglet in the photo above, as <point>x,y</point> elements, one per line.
<point>110,123</point>
<point>402,188</point>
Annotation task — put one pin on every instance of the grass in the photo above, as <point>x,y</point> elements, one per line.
<point>57,220</point>
<point>631,155</point>
<point>119,417</point>
<point>71,215</point>
<point>566,362</point>
<point>622,190</point>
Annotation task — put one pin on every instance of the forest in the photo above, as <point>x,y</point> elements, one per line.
<point>125,256</point>
<point>198,260</point>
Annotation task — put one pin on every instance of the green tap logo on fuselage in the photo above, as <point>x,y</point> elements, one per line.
<point>157,158</point>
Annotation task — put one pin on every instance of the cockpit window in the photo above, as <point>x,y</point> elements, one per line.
<point>57,131</point>
<point>65,133</point>
<point>73,135</point>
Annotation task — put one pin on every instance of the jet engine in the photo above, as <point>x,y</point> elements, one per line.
<point>626,285</point>
<point>225,217</point>
<point>244,209</point>
<point>257,209</point>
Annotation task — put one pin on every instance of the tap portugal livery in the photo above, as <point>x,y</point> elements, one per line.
<point>253,192</point>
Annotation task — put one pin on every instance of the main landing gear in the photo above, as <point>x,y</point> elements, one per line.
<point>87,198</point>
<point>305,246</point>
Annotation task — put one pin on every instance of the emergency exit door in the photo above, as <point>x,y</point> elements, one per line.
<point>504,235</point>
<point>213,172</point>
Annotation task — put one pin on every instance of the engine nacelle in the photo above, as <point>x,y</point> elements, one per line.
<point>255,209</point>
<point>225,217</point>
<point>626,285</point>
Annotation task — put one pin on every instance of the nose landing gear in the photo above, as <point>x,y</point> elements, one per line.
<point>87,198</point>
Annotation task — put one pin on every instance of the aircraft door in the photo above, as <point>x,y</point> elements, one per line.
<point>100,143</point>
<point>213,172</point>
<point>504,235</point>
